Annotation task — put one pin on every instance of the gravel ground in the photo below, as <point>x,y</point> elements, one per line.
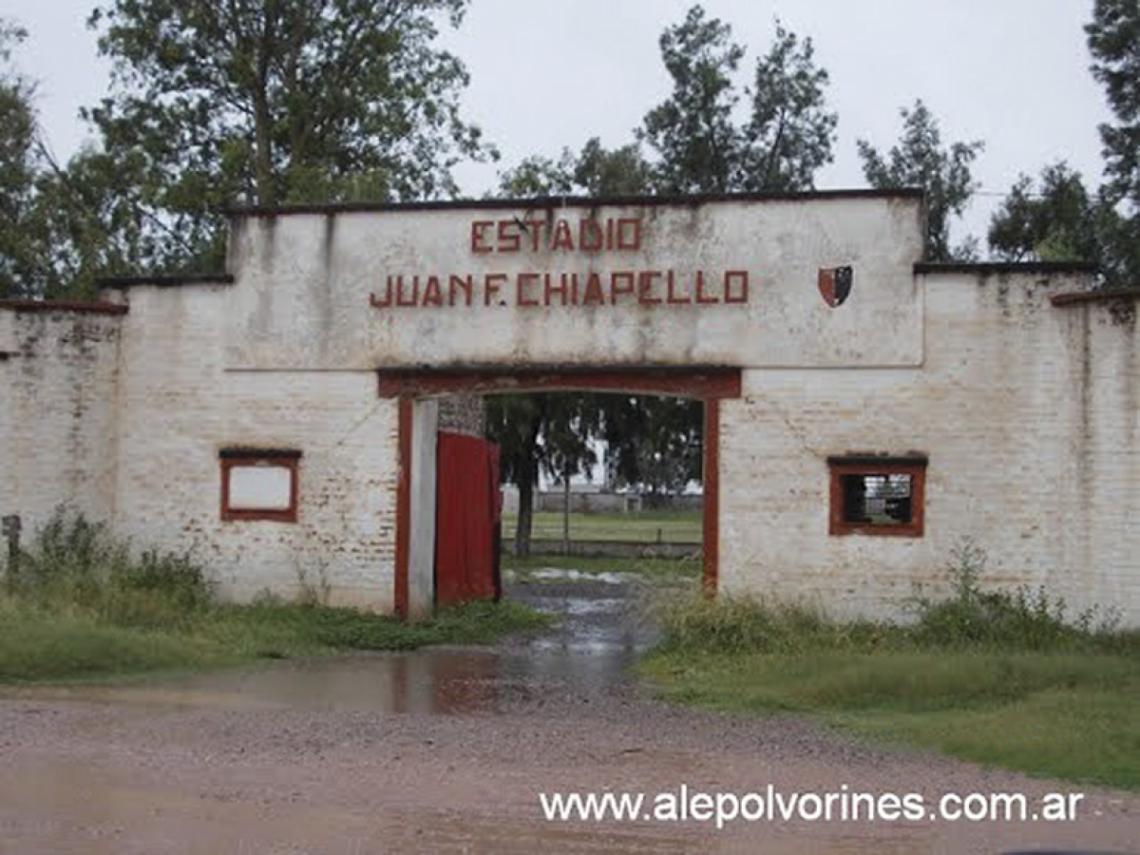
<point>446,750</point>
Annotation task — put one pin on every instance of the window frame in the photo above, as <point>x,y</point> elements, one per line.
<point>913,465</point>
<point>231,458</point>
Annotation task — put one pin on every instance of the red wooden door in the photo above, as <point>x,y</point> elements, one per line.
<point>467,519</point>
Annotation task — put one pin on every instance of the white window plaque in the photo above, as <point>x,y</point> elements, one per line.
<point>260,488</point>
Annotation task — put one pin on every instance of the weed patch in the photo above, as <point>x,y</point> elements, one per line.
<point>82,606</point>
<point>996,677</point>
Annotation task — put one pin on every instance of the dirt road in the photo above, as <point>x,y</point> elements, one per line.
<point>447,750</point>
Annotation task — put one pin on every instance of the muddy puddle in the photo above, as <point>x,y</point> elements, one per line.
<point>448,749</point>
<point>599,633</point>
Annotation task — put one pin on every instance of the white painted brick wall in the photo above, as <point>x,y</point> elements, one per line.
<point>1028,413</point>
<point>180,407</point>
<point>303,283</point>
<point>57,413</point>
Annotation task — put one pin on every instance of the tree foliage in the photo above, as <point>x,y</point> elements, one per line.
<point>1050,220</point>
<point>536,432</point>
<point>1058,218</point>
<point>653,443</point>
<point>594,171</point>
<point>692,131</point>
<point>270,102</point>
<point>700,145</point>
<point>919,159</point>
<point>552,432</point>
<point>1114,41</point>
<point>538,175</point>
<point>18,167</point>
<point>621,171</point>
<point>789,135</point>
<point>62,224</point>
<point>649,439</point>
<point>1119,235</point>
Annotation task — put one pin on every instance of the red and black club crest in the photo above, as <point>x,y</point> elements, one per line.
<point>835,284</point>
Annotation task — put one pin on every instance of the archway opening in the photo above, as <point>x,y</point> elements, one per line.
<point>416,389</point>
<point>602,495</point>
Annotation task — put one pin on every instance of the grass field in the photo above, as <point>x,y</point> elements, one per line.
<point>44,644</point>
<point>82,607</point>
<point>997,678</point>
<point>1070,716</point>
<point>643,527</point>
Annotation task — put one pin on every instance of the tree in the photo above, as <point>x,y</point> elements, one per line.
<point>594,171</point>
<point>1065,220</point>
<point>653,443</point>
<point>1057,222</point>
<point>790,133</point>
<point>514,422</point>
<point>540,431</point>
<point>692,131</point>
<point>572,421</point>
<point>701,149</point>
<point>1119,236</point>
<point>89,220</point>
<point>1114,41</point>
<point>18,168</point>
<point>612,172</point>
<point>46,211</point>
<point>920,160</point>
<point>539,176</point>
<point>271,102</point>
<point>61,225</point>
<point>552,432</point>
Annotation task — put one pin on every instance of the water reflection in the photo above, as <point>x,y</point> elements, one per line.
<point>597,637</point>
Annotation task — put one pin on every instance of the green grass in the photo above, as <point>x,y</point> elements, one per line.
<point>671,568</point>
<point>36,646</point>
<point>83,607</point>
<point>1000,678</point>
<point>39,645</point>
<point>643,527</point>
<point>1070,716</point>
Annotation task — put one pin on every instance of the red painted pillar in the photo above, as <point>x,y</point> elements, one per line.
<point>711,484</point>
<point>403,504</point>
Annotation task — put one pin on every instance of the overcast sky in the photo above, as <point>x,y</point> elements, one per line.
<point>1013,73</point>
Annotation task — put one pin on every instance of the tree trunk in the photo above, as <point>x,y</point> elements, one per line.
<point>263,159</point>
<point>526,515</point>
<point>262,118</point>
<point>528,478</point>
<point>566,511</point>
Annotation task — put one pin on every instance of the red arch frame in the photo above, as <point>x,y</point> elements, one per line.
<point>707,383</point>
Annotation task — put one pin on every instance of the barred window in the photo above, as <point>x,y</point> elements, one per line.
<point>877,495</point>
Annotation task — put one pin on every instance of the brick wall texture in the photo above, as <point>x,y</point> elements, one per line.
<point>1028,413</point>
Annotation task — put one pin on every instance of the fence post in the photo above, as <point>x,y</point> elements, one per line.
<point>11,530</point>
